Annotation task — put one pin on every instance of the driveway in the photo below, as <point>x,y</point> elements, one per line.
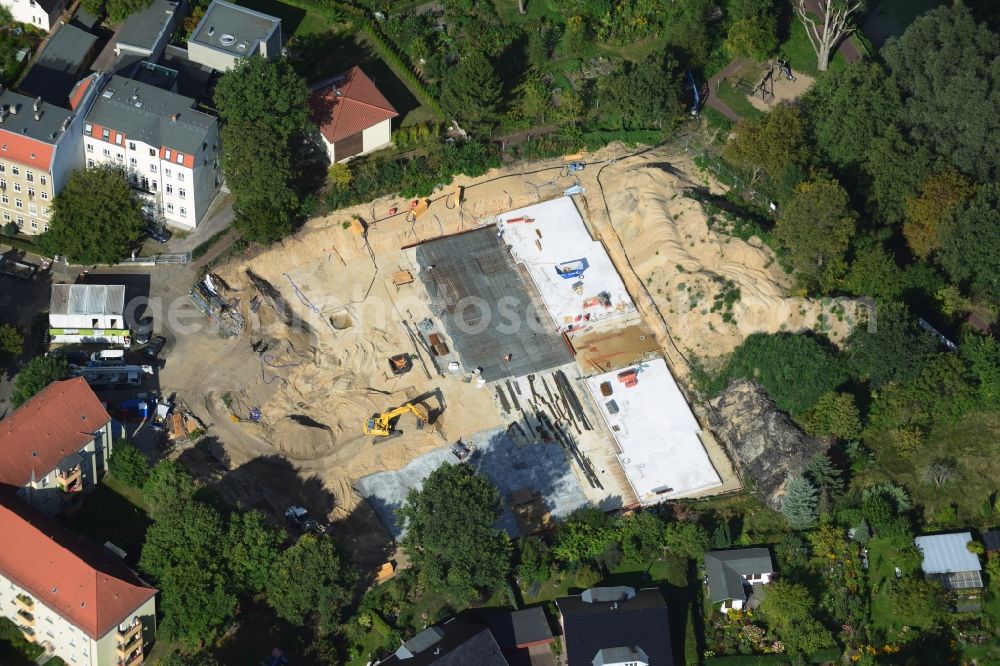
<point>218,218</point>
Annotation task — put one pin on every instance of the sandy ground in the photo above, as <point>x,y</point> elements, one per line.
<point>324,316</point>
<point>784,91</point>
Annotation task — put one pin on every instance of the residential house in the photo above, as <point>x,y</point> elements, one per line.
<point>68,595</point>
<point>228,33</point>
<point>616,626</point>
<point>92,313</point>
<point>734,575</point>
<point>454,642</point>
<point>42,14</point>
<point>946,559</point>
<point>40,146</point>
<point>54,448</point>
<point>64,60</point>
<point>353,116</point>
<point>145,34</point>
<point>524,636</point>
<point>170,150</point>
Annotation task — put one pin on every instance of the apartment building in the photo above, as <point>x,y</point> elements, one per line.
<point>169,149</point>
<point>42,14</point>
<point>68,595</point>
<point>55,447</point>
<point>40,145</point>
<point>227,33</point>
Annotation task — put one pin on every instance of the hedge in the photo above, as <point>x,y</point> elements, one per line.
<point>818,657</point>
<point>395,61</point>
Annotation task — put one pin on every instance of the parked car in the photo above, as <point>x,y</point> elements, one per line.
<point>159,234</point>
<point>152,350</point>
<point>299,517</point>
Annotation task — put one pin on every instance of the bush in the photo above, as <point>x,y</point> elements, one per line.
<point>128,464</point>
<point>587,577</point>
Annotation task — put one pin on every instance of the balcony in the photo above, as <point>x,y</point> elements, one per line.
<point>25,603</point>
<point>25,619</point>
<point>128,632</point>
<point>133,659</point>
<point>70,480</point>
<point>29,634</point>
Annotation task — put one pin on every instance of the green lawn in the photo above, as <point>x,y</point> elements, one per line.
<point>113,513</point>
<point>295,21</point>
<point>736,99</point>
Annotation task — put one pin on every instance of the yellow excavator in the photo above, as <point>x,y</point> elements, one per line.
<point>382,425</point>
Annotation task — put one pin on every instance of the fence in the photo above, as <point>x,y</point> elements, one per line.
<point>157,259</point>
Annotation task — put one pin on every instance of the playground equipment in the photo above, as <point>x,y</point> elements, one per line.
<point>695,95</point>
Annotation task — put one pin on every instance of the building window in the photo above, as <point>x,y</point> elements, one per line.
<point>45,213</point>
<point>184,212</point>
<point>34,225</point>
<point>3,184</point>
<point>131,145</point>
<point>170,188</point>
<point>45,195</point>
<point>2,168</point>
<point>118,139</point>
<point>6,216</point>
<point>29,176</point>
<point>152,152</point>
<point>180,158</point>
<point>180,176</point>
<point>170,207</point>
<point>17,187</point>
<point>182,193</point>
<point>20,223</point>
<point>166,154</point>
<point>31,192</point>
<point>90,147</point>
<point>90,164</point>
<point>18,203</point>
<point>120,157</point>
<point>43,180</point>
<point>107,152</point>
<point>88,129</point>
<point>106,134</point>
<point>15,170</point>
<point>5,199</point>
<point>167,173</point>
<point>154,186</point>
<point>32,209</point>
<point>133,161</point>
<point>152,168</point>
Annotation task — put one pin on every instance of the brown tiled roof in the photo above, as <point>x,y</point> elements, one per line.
<point>80,581</point>
<point>349,105</point>
<point>56,423</point>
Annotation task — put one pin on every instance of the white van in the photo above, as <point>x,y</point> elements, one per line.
<point>108,357</point>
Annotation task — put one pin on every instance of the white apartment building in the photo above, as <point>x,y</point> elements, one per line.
<point>42,14</point>
<point>40,145</point>
<point>70,596</point>
<point>54,449</point>
<point>170,150</point>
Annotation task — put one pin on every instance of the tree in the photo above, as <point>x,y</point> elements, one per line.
<point>940,472</point>
<point>970,244</point>
<point>891,348</point>
<point>182,551</point>
<point>688,540</point>
<point>197,659</point>
<point>584,535</point>
<point>128,464</point>
<point>874,273</point>
<point>640,537</point>
<point>895,167</point>
<point>753,37</point>
<point>641,95</point>
<point>472,91</point>
<point>826,478</point>
<point>97,218</point>
<point>816,227</point>
<point>769,144</point>
<point>36,374</point>
<point>940,194</point>
<point>11,341</point>
<point>534,560</point>
<point>947,67</point>
<point>833,26</point>
<point>251,549</point>
<point>168,489</point>
<point>800,504</point>
<point>834,414</point>
<point>115,11</point>
<point>264,106</point>
<point>450,534</point>
<point>310,577</point>
<point>848,109</point>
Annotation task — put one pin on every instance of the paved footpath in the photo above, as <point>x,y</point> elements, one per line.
<point>713,85</point>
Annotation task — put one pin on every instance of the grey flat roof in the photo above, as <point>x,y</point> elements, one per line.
<point>47,128</point>
<point>142,29</point>
<point>53,74</point>
<point>87,299</point>
<point>229,27</point>
<point>144,112</point>
<point>725,570</point>
<point>947,553</point>
<point>488,306</point>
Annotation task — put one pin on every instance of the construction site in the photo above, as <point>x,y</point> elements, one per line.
<point>517,323</point>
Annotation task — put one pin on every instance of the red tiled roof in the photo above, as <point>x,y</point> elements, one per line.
<point>359,106</point>
<point>56,423</point>
<point>70,575</point>
<point>76,96</point>
<point>25,150</point>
